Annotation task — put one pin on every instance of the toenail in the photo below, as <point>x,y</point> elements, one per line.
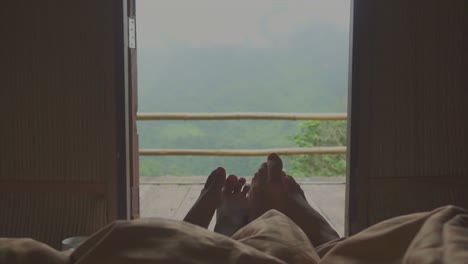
<point>231,177</point>
<point>220,170</point>
<point>273,156</point>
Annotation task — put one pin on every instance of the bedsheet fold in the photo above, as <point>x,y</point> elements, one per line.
<point>439,236</point>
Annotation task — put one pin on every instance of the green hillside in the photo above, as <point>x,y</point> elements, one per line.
<point>308,75</point>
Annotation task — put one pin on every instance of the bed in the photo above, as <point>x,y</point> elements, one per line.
<point>439,236</point>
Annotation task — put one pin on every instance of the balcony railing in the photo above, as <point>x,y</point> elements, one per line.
<point>241,116</point>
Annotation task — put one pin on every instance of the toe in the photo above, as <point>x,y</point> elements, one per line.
<point>245,190</point>
<point>238,186</point>
<point>275,168</point>
<point>253,182</point>
<point>220,178</point>
<point>242,180</point>
<point>231,182</point>
<point>262,174</point>
<point>273,156</point>
<point>212,179</point>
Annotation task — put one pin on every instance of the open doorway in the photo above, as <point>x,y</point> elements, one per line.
<point>235,57</point>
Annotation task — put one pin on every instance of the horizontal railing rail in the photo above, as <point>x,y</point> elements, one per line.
<point>239,116</point>
<point>242,116</point>
<point>242,152</point>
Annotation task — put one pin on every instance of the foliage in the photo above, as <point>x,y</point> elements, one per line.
<point>315,134</point>
<point>232,134</point>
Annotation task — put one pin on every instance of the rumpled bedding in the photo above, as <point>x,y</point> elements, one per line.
<point>439,236</point>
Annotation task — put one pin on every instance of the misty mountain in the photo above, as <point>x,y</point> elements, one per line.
<point>309,73</point>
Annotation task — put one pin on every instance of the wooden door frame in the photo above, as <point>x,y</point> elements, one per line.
<point>133,101</point>
<point>356,194</point>
<point>127,186</point>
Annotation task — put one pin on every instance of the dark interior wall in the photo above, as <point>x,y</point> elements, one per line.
<point>409,108</point>
<point>58,143</point>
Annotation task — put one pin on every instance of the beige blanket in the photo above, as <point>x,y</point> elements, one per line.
<point>440,236</point>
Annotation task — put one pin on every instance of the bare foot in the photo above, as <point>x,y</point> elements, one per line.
<point>268,190</point>
<point>203,210</point>
<point>273,189</point>
<point>232,214</point>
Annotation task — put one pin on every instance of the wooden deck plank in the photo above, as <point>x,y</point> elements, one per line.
<point>192,195</point>
<point>174,200</point>
<point>144,199</point>
<point>331,201</point>
<point>187,203</point>
<point>162,201</point>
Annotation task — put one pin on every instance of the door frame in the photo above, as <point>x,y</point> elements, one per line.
<point>127,184</point>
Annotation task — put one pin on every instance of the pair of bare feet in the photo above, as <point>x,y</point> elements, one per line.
<point>236,204</point>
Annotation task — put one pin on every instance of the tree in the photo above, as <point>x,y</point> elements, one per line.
<point>315,134</point>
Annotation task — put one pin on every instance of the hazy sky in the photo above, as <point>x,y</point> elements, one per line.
<point>254,23</point>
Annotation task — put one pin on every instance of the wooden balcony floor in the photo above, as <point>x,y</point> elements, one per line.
<point>172,197</point>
